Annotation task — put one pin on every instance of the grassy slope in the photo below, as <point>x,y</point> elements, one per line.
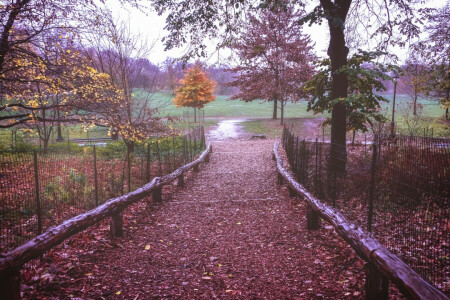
<point>224,108</point>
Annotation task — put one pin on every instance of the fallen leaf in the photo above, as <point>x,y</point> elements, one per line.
<point>147,247</point>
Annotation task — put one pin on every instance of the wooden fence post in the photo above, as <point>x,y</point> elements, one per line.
<point>129,170</point>
<point>195,143</point>
<point>180,182</point>
<point>372,188</point>
<point>116,225</point>
<point>280,179</point>
<point>95,177</point>
<point>174,154</point>
<point>38,200</point>
<point>10,286</point>
<point>190,147</point>
<point>377,285</point>
<point>185,150</point>
<point>312,219</point>
<point>147,167</point>
<point>157,195</point>
<point>159,157</point>
<point>292,192</point>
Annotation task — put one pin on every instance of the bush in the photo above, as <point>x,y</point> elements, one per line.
<point>115,149</point>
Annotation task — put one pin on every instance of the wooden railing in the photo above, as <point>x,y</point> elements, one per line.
<point>381,266</point>
<point>13,261</point>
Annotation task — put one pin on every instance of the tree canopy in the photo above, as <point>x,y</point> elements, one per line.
<point>196,89</point>
<point>275,58</point>
<point>365,77</point>
<point>393,22</point>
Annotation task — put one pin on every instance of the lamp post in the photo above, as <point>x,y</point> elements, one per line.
<point>395,77</point>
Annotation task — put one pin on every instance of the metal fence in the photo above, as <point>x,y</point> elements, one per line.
<point>38,190</point>
<point>396,188</point>
<point>196,116</point>
<point>13,137</point>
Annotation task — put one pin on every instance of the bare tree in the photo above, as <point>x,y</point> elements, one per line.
<point>414,81</point>
<point>123,54</point>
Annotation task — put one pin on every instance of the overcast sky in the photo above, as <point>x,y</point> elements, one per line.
<point>152,26</point>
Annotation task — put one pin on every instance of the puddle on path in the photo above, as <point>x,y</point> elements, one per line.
<point>228,129</point>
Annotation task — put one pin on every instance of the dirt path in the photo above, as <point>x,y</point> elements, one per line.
<point>231,232</point>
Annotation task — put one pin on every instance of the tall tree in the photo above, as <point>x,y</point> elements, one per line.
<point>196,89</point>
<point>414,81</point>
<point>222,76</point>
<point>365,77</point>
<point>40,95</point>
<point>439,84</point>
<point>275,58</point>
<point>434,49</point>
<point>392,22</point>
<point>173,72</point>
<point>42,78</point>
<point>120,53</point>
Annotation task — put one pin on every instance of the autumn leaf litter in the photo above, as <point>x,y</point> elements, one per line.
<point>232,232</point>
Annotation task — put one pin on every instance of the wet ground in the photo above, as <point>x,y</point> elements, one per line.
<point>228,129</point>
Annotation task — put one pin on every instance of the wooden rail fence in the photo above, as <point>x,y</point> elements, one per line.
<point>13,261</point>
<point>381,266</point>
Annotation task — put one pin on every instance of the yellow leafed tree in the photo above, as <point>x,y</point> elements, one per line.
<point>196,91</point>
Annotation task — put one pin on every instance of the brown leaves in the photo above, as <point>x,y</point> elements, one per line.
<point>234,234</point>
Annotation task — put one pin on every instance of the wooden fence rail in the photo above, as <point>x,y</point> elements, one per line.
<point>12,262</point>
<point>382,265</point>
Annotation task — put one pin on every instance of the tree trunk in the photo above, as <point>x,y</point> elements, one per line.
<point>59,138</point>
<point>46,140</point>
<point>114,134</point>
<point>195,115</point>
<point>282,113</point>
<point>130,146</point>
<point>415,104</point>
<point>274,116</point>
<point>338,51</point>
<point>446,110</point>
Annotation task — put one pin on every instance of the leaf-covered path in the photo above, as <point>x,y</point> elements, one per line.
<point>231,232</point>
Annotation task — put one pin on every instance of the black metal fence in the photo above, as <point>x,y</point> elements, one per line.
<point>38,190</point>
<point>396,188</point>
<point>194,116</point>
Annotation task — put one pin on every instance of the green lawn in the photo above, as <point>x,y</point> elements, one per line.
<point>431,107</point>
<point>224,108</point>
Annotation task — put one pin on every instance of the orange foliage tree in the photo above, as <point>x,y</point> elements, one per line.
<point>196,91</point>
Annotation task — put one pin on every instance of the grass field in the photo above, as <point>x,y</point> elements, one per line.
<point>222,107</point>
<point>294,112</point>
<point>259,113</point>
